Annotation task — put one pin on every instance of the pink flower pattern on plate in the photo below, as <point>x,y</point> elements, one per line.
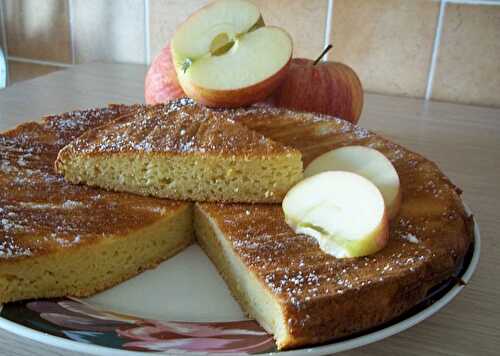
<point>238,336</point>
<point>77,317</point>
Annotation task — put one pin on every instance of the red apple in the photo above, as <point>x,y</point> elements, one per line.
<point>161,84</point>
<point>330,88</point>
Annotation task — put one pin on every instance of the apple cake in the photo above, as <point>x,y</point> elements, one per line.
<point>59,239</point>
<point>304,296</point>
<point>189,154</point>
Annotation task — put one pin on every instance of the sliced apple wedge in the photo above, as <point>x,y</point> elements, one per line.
<point>224,55</point>
<point>368,163</point>
<point>343,211</point>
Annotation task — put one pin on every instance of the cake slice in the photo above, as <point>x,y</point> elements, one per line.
<point>187,153</point>
<point>304,296</point>
<point>59,239</point>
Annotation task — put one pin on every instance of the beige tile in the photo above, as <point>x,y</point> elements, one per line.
<point>3,26</point>
<point>2,46</point>
<point>25,71</point>
<point>303,19</point>
<point>38,29</point>
<point>387,42</point>
<point>109,31</point>
<point>468,67</point>
<point>164,17</point>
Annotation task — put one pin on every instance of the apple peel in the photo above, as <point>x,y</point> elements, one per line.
<point>161,84</point>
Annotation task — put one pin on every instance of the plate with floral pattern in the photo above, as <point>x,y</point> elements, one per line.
<point>184,307</point>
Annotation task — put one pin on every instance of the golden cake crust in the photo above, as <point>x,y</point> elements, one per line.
<point>178,127</point>
<point>323,297</point>
<point>41,213</point>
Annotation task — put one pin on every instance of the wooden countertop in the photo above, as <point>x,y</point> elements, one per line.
<point>463,140</point>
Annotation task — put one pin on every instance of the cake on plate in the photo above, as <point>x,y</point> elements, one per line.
<point>62,239</point>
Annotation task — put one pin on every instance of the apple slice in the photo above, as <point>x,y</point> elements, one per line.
<point>224,56</point>
<point>368,163</point>
<point>343,211</point>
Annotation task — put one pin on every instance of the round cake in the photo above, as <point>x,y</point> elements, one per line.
<point>284,280</point>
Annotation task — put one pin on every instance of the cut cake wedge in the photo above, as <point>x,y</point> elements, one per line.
<point>187,153</point>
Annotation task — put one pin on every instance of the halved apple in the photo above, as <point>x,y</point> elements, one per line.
<point>343,211</point>
<point>224,56</point>
<point>368,163</point>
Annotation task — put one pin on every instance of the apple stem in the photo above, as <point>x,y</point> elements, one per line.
<point>329,47</point>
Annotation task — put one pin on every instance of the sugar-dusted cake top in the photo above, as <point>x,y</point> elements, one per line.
<point>39,211</point>
<point>430,234</point>
<point>175,128</point>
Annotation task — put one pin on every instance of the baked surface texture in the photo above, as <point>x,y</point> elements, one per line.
<point>59,239</point>
<point>307,297</point>
<point>182,151</point>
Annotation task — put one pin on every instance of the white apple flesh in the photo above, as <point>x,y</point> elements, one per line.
<point>219,20</point>
<point>253,58</point>
<point>343,211</point>
<point>367,162</point>
<point>225,56</point>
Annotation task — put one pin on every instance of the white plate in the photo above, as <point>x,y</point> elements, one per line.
<point>186,288</point>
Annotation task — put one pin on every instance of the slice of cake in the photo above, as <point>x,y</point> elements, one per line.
<point>59,239</point>
<point>188,153</point>
<point>304,296</point>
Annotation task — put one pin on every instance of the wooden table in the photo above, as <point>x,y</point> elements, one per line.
<point>463,140</point>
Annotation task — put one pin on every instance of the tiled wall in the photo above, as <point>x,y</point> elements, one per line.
<point>443,50</point>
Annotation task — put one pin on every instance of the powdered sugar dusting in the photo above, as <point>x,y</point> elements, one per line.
<point>167,128</point>
<point>71,204</point>
<point>410,238</point>
<point>9,249</point>
<point>39,210</point>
